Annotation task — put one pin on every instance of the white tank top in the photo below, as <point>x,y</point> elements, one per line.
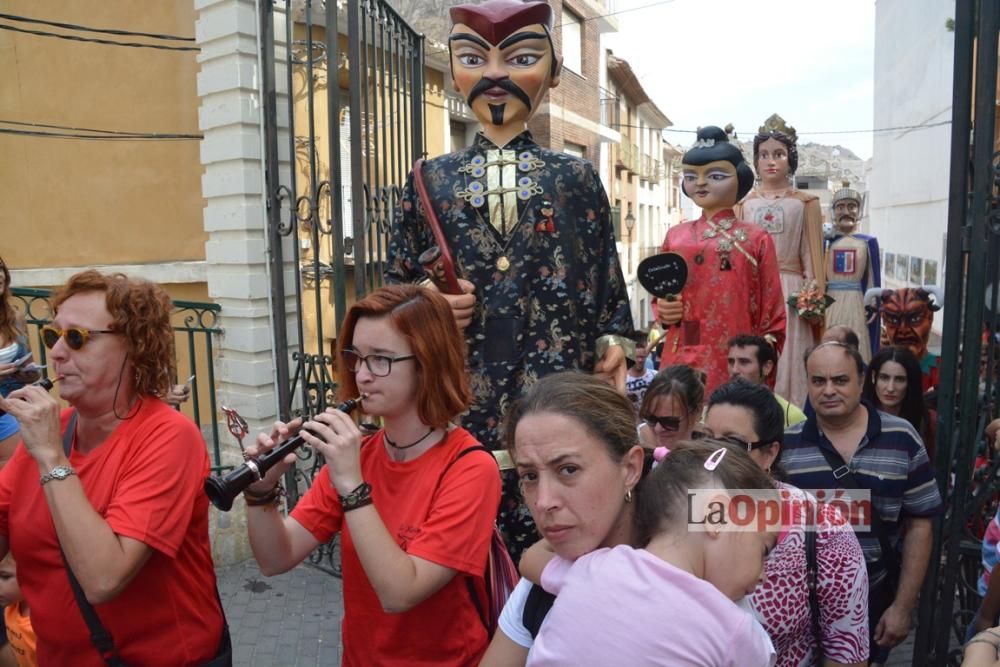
<point>8,354</point>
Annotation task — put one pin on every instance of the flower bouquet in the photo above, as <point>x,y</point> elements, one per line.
<point>810,303</point>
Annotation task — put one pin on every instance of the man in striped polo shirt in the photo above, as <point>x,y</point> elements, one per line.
<point>848,439</point>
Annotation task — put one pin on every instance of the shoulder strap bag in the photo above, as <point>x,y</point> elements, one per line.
<point>847,480</point>
<point>501,576</point>
<point>812,577</point>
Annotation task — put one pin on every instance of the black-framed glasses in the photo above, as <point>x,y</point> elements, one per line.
<point>378,365</point>
<point>672,424</point>
<point>731,439</point>
<point>76,337</point>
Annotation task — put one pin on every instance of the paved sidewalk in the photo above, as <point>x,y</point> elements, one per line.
<point>289,620</point>
<point>293,619</point>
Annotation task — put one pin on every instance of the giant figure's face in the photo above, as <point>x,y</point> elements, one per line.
<point>772,162</point>
<point>908,318</point>
<point>503,83</point>
<point>713,186</point>
<point>845,215</point>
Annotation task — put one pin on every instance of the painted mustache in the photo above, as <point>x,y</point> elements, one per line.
<point>506,84</point>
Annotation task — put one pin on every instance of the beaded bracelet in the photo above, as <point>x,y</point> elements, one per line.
<point>270,497</point>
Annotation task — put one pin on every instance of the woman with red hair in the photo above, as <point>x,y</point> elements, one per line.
<point>416,515</point>
<point>109,492</point>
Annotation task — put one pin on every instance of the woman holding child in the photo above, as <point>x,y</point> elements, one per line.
<point>572,438</point>
<point>573,441</point>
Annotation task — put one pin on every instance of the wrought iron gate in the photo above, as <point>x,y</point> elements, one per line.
<point>351,122</point>
<point>967,400</point>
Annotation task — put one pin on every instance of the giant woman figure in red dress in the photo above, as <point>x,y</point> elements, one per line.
<point>733,284</point>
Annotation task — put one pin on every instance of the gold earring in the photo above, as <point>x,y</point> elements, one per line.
<point>628,496</point>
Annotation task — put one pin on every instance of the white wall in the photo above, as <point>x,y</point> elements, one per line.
<point>908,197</point>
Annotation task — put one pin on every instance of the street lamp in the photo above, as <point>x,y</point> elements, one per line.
<point>629,224</point>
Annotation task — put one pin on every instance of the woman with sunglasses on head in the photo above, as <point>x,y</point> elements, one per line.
<point>114,483</point>
<point>671,407</point>
<point>747,417</point>
<point>15,372</point>
<point>415,514</point>
<point>893,384</point>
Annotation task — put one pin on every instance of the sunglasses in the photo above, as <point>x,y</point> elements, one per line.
<point>75,337</point>
<point>731,439</point>
<point>672,424</point>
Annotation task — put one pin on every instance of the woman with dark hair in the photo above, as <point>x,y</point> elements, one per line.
<point>111,489</point>
<point>572,439</point>
<point>794,221</point>
<point>893,384</point>
<point>830,627</point>
<point>733,284</point>
<point>671,407</point>
<point>15,371</point>
<point>415,512</point>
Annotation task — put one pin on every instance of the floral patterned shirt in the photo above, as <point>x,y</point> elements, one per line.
<point>531,228</point>
<point>781,601</point>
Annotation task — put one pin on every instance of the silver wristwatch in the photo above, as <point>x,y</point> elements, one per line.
<point>57,473</point>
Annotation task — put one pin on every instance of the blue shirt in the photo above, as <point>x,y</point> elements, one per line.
<point>890,461</point>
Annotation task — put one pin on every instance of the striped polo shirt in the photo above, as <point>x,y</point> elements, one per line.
<point>890,461</point>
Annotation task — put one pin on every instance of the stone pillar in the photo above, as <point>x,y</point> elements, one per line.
<point>230,116</point>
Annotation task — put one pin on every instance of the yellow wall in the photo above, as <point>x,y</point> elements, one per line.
<point>80,202</point>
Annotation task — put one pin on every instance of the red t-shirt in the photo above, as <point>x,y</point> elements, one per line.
<point>146,481</point>
<point>450,526</point>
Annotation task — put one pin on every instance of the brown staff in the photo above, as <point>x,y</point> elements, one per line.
<point>436,260</point>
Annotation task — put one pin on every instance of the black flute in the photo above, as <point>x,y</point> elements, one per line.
<point>223,490</point>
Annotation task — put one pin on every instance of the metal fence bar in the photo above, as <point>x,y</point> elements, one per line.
<point>961,414</point>
<point>383,103</point>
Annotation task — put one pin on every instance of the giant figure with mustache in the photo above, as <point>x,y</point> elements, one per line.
<point>529,230</point>
<point>852,267</point>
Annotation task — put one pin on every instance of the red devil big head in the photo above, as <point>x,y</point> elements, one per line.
<point>908,315</point>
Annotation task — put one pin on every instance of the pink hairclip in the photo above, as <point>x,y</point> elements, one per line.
<point>715,459</point>
<point>660,453</point>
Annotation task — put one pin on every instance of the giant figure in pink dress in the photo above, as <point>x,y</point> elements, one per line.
<point>733,285</point>
<point>795,222</point>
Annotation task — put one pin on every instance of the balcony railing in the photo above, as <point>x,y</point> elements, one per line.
<point>629,157</point>
<point>652,169</point>
<point>610,109</point>
<point>648,251</point>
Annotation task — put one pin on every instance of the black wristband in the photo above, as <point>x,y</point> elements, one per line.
<point>359,497</point>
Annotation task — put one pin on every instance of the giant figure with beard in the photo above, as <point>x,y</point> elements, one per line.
<point>529,230</point>
<point>852,267</point>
